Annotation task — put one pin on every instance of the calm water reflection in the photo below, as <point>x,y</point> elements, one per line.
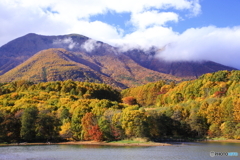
<point>79,152</point>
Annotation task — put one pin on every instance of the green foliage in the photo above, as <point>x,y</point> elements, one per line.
<point>64,115</point>
<point>28,121</point>
<point>10,127</point>
<point>219,76</point>
<point>47,126</point>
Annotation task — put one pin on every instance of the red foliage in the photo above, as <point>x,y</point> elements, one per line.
<point>163,92</point>
<point>95,133</point>
<point>91,129</point>
<point>129,100</point>
<point>210,133</point>
<point>219,93</point>
<point>116,133</point>
<point>87,123</point>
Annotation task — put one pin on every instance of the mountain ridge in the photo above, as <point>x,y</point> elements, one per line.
<point>125,69</point>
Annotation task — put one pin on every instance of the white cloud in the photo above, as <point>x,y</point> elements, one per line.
<point>90,45</point>
<point>155,36</point>
<point>17,20</point>
<point>151,18</point>
<point>84,9</point>
<point>196,8</point>
<point>51,17</point>
<point>208,43</point>
<point>66,42</point>
<point>136,6</point>
<point>97,30</point>
<point>220,45</point>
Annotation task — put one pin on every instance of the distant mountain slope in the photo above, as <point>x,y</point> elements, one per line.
<point>187,69</point>
<point>53,65</point>
<point>60,64</point>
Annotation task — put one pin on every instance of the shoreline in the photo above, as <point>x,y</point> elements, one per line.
<point>140,144</point>
<point>145,144</point>
<point>226,140</point>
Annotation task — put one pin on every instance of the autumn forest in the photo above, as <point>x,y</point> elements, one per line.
<point>206,107</point>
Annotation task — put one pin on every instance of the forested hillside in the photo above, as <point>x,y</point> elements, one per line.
<point>209,105</point>
<point>72,110</point>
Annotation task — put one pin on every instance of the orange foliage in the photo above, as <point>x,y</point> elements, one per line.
<point>129,100</point>
<point>95,133</point>
<point>91,128</point>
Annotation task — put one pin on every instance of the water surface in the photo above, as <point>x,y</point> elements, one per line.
<point>184,151</point>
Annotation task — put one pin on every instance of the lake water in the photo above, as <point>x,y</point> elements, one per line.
<point>185,151</point>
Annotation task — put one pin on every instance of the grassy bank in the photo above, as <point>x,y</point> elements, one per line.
<point>113,143</point>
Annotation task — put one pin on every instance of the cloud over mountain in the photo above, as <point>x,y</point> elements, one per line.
<point>61,17</point>
<point>148,24</point>
<point>209,43</point>
<point>66,42</point>
<point>90,45</point>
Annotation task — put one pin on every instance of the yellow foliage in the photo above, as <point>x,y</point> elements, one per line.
<point>65,131</point>
<point>236,110</point>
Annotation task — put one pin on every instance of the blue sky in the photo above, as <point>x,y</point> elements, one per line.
<point>217,13</point>
<point>186,29</point>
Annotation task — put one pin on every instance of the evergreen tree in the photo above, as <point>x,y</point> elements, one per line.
<point>28,122</point>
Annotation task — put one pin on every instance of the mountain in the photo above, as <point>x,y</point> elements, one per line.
<point>55,65</point>
<point>49,58</point>
<point>58,64</point>
<point>186,69</point>
<point>19,50</point>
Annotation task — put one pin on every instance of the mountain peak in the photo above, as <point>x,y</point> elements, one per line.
<point>20,49</point>
<point>75,35</point>
<point>32,34</point>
